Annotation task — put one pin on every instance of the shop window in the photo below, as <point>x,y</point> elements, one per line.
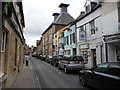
<point>84,54</point>
<point>118,52</point>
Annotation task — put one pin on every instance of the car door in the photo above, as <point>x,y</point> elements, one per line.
<point>94,76</point>
<point>112,77</point>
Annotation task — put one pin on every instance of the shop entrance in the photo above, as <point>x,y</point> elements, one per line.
<point>118,52</point>
<point>94,57</point>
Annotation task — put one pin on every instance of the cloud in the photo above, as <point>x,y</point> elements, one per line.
<point>38,15</point>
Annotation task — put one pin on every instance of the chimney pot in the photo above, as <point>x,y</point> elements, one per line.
<point>63,7</point>
<point>55,15</point>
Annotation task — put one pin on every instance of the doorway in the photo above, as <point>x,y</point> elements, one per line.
<point>94,57</point>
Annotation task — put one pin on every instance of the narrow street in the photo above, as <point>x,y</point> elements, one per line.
<point>48,76</point>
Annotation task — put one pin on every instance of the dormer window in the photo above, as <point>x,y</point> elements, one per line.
<point>88,9</point>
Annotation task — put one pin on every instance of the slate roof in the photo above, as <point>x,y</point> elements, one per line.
<point>63,19</point>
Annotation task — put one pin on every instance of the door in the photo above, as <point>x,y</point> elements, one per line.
<point>94,57</point>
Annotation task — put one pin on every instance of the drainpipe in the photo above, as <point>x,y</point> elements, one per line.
<point>0,31</point>
<point>0,40</point>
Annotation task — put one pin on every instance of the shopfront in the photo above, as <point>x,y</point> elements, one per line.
<point>113,47</point>
<point>83,51</point>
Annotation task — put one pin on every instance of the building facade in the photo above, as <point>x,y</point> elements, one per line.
<point>95,30</point>
<point>60,21</point>
<point>70,40</point>
<point>12,46</point>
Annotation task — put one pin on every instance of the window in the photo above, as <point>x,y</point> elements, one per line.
<point>92,27</point>
<point>73,38</point>
<point>67,41</point>
<point>101,68</point>
<point>84,54</point>
<point>3,66</point>
<point>114,70</point>
<point>81,28</point>
<point>15,64</point>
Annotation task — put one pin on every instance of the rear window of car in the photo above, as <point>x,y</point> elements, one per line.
<point>50,56</point>
<point>77,58</point>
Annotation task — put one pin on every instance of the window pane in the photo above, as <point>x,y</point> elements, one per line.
<point>101,68</point>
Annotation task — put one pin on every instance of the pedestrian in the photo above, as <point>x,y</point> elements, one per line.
<point>27,59</point>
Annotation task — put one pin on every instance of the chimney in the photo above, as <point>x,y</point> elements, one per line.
<point>63,7</point>
<point>55,15</point>
<point>82,13</point>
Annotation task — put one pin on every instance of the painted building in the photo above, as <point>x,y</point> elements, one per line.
<point>96,33</point>
<point>70,40</point>
<point>56,41</point>
<point>12,48</point>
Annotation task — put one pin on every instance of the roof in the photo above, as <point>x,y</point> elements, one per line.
<point>63,19</point>
<point>84,15</point>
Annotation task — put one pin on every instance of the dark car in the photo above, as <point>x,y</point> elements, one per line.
<point>55,60</point>
<point>48,58</point>
<point>68,63</point>
<point>106,75</point>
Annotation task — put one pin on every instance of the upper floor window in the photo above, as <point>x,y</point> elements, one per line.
<point>82,28</point>
<point>92,27</point>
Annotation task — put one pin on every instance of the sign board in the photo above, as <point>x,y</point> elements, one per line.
<point>84,46</point>
<point>82,35</point>
<point>113,38</point>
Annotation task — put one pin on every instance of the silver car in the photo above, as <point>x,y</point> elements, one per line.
<point>71,63</point>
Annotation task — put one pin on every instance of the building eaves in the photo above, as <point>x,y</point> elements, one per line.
<point>86,14</point>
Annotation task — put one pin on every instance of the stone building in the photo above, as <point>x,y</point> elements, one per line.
<point>60,21</point>
<point>12,45</point>
<point>39,47</point>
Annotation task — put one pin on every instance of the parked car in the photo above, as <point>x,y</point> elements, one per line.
<point>55,60</point>
<point>106,75</point>
<point>40,57</point>
<point>71,63</point>
<point>43,57</point>
<point>48,58</point>
<point>37,55</point>
<point>33,55</point>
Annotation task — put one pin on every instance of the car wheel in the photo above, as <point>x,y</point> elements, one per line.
<point>65,70</point>
<point>82,80</point>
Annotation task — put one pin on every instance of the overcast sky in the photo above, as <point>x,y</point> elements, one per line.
<point>38,15</point>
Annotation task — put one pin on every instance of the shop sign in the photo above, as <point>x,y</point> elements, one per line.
<point>114,38</point>
<point>84,46</point>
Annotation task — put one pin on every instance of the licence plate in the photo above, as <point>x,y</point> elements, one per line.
<point>76,62</point>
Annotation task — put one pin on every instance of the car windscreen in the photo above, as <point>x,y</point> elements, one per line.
<point>77,58</point>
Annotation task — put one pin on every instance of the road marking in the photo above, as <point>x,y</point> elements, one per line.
<point>36,77</point>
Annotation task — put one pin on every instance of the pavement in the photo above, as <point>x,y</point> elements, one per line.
<point>25,78</point>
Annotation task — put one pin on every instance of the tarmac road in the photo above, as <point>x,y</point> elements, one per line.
<point>48,76</point>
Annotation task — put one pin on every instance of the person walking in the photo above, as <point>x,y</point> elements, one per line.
<point>27,59</point>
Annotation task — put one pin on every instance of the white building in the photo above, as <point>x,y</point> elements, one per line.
<point>98,33</point>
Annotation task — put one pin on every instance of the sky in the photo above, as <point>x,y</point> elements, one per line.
<point>38,15</point>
